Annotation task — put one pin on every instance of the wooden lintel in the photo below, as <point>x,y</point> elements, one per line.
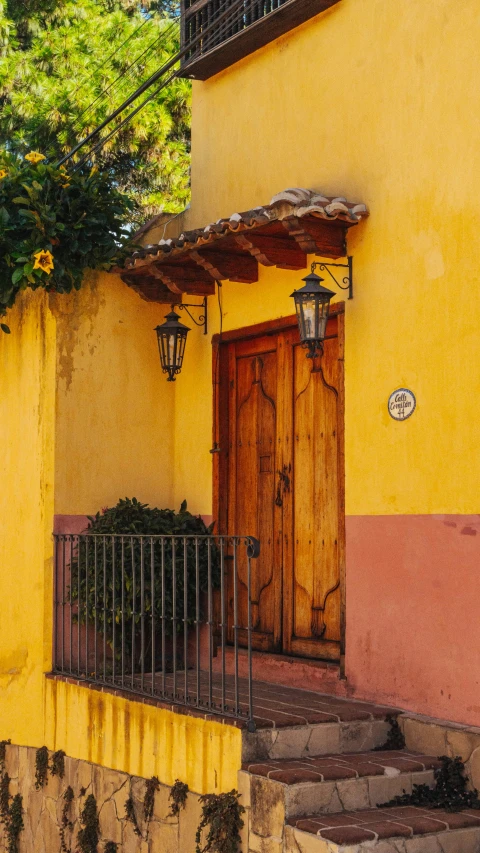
<point>270,327</point>
<point>273,251</point>
<point>183,279</point>
<point>317,236</point>
<point>226,265</point>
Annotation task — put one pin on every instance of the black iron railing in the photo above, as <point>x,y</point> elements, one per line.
<point>158,616</point>
<point>200,16</point>
<point>217,33</point>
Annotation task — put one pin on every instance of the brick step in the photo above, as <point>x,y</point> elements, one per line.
<point>397,830</point>
<point>295,723</point>
<point>335,783</point>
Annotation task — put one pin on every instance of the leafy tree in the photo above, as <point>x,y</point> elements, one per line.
<point>65,65</point>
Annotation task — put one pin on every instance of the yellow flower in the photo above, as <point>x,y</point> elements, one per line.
<point>34,157</point>
<point>43,261</point>
<point>3,174</point>
<point>64,186</point>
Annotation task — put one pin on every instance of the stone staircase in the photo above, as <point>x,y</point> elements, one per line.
<point>315,788</point>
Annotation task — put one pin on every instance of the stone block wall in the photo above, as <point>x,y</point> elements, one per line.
<point>43,808</point>
<point>438,737</point>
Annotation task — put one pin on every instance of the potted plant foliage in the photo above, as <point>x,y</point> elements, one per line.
<point>123,570</point>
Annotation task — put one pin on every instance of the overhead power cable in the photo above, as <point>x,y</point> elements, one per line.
<point>101,65</point>
<point>158,40</point>
<point>148,83</point>
<point>122,124</point>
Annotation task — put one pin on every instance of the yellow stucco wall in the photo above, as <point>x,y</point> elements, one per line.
<point>114,412</point>
<point>379,104</point>
<point>140,739</point>
<point>85,418</point>
<point>27,396</point>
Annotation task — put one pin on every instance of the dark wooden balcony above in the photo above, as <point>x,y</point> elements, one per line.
<point>220,32</point>
<point>296,223</point>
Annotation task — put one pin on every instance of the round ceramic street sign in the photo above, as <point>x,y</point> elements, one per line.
<point>401,404</point>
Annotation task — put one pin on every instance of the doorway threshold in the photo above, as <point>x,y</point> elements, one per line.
<point>303,673</point>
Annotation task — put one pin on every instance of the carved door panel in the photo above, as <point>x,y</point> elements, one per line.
<point>312,594</point>
<point>253,510</point>
<point>285,489</point>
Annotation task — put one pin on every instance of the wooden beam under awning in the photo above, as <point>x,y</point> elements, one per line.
<point>193,266</point>
<point>239,267</point>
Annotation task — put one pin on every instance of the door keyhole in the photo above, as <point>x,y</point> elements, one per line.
<point>283,480</point>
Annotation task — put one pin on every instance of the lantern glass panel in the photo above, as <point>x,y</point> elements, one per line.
<point>171,339</point>
<point>323,307</point>
<point>309,319</point>
<point>181,340</point>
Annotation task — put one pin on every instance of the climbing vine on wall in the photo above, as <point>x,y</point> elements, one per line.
<point>58,764</point>
<point>89,834</point>
<point>450,791</point>
<point>14,825</point>
<point>222,814</point>
<point>131,815</point>
<point>41,767</point>
<point>54,225</point>
<point>151,786</point>
<point>66,823</point>
<point>178,797</point>
<point>3,753</point>
<point>4,797</point>
<point>395,738</point>
<point>11,808</point>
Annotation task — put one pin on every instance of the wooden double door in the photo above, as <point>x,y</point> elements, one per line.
<point>284,481</point>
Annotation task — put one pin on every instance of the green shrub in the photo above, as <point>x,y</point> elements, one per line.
<point>97,576</point>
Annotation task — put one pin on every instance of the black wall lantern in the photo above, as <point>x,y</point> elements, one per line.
<point>312,302</point>
<point>172,337</point>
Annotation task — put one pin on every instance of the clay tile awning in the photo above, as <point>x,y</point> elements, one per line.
<point>297,222</point>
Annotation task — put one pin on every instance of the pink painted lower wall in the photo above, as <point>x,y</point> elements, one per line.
<point>413,613</point>
<point>70,523</point>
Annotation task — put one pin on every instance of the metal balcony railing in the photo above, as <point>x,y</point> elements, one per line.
<point>157,616</point>
<point>199,15</point>
<point>217,33</point>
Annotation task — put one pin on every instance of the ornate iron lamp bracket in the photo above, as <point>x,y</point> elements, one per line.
<point>347,281</point>
<point>202,318</point>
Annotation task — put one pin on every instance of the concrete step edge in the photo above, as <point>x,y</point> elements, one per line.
<point>314,739</point>
<point>330,796</point>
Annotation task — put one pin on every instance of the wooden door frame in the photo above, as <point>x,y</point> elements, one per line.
<point>220,383</point>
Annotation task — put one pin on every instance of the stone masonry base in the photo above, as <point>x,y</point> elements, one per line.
<point>43,808</point>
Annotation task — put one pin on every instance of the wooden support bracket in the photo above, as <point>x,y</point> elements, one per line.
<point>317,236</point>
<point>241,267</point>
<point>273,251</point>
<point>152,289</point>
<point>185,279</point>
